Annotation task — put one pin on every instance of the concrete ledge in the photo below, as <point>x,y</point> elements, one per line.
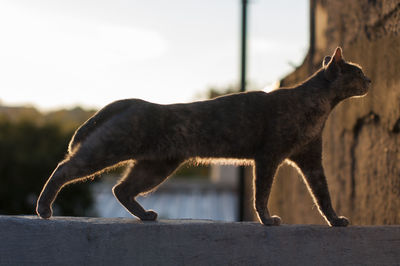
<point>27,240</point>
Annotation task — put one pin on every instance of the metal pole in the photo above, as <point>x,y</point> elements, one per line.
<point>242,89</point>
<point>243,47</point>
<point>311,50</point>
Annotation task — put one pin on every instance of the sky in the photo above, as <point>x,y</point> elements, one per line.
<point>60,54</point>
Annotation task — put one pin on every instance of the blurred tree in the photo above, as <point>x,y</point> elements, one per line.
<point>71,118</point>
<point>29,151</point>
<point>214,92</point>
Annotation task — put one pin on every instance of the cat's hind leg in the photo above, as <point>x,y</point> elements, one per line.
<point>142,177</point>
<point>76,168</point>
<point>264,172</point>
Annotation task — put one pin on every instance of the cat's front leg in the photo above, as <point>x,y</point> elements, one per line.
<point>310,163</point>
<point>339,221</point>
<point>264,172</point>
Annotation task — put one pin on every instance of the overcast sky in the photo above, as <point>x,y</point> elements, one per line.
<point>57,53</point>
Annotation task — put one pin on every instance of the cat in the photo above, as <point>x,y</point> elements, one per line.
<point>263,128</point>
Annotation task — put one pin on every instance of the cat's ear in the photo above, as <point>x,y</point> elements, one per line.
<point>338,55</point>
<point>333,67</point>
<point>326,60</point>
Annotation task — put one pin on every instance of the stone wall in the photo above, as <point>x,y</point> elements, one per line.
<point>362,135</point>
<point>28,240</point>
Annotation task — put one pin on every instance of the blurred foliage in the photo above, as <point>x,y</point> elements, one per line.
<point>214,92</point>
<point>68,119</point>
<point>30,148</point>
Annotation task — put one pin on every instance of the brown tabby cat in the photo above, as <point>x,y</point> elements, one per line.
<point>263,128</point>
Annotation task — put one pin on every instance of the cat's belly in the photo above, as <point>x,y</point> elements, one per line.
<point>223,161</point>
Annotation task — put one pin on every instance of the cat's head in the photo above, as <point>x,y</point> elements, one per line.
<point>346,79</point>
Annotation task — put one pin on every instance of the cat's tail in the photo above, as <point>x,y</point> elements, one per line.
<point>95,121</point>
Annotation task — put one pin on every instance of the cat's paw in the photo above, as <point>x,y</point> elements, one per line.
<point>273,220</point>
<point>44,212</point>
<point>340,221</point>
<point>149,216</point>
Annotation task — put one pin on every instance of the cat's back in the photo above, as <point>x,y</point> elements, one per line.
<point>235,107</point>
<point>231,102</point>
<point>258,101</point>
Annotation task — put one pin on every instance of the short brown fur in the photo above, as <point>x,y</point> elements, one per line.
<point>263,128</point>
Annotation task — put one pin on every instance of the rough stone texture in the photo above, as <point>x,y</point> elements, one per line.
<point>27,240</point>
<point>362,136</point>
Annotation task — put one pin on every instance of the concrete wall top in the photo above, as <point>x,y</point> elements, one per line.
<point>27,240</point>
